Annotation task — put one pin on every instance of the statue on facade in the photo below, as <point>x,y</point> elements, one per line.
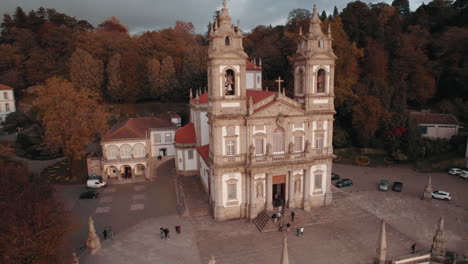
<point>251,151</point>
<point>259,190</point>
<point>297,186</point>
<point>268,149</point>
<point>291,147</point>
<point>307,147</point>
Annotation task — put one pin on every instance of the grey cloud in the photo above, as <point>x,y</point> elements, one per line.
<point>144,15</point>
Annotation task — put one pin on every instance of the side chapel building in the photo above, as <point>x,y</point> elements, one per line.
<point>252,148</point>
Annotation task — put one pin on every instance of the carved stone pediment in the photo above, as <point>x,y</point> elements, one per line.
<point>278,108</point>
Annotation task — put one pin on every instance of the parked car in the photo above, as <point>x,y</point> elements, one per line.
<point>383,185</point>
<point>463,174</point>
<point>335,176</point>
<point>95,183</point>
<point>397,187</point>
<point>344,183</point>
<point>441,195</point>
<point>455,171</point>
<point>89,195</point>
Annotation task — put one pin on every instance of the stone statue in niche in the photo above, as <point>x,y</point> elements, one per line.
<point>291,147</point>
<point>259,190</point>
<point>229,82</point>
<point>297,186</point>
<point>251,151</point>
<point>307,147</point>
<point>268,149</point>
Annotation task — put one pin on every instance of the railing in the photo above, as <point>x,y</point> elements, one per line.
<point>233,160</point>
<point>126,159</point>
<point>314,153</point>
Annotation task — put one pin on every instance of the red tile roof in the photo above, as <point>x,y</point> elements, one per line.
<point>186,134</point>
<point>431,118</point>
<point>252,67</point>
<point>136,127</point>
<point>204,152</point>
<point>5,87</point>
<point>257,96</point>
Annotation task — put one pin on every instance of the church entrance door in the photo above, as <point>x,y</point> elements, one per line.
<point>279,190</point>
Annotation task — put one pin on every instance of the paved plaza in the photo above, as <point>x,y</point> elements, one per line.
<point>345,232</point>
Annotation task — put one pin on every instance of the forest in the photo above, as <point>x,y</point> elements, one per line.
<point>390,60</point>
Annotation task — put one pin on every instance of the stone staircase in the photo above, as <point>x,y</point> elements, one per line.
<point>192,196</point>
<point>302,218</point>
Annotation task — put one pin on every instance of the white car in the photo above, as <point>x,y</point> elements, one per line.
<point>455,171</point>
<point>95,183</point>
<point>463,174</point>
<point>441,195</point>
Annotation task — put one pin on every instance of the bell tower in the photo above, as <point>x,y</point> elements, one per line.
<point>314,68</point>
<point>226,67</point>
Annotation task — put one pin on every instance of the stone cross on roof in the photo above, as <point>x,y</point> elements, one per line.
<point>279,81</point>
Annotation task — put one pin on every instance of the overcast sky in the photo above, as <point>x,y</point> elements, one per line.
<point>144,15</point>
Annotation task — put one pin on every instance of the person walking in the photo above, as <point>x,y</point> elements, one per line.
<point>177,229</point>
<point>161,233</point>
<point>292,215</point>
<point>288,225</point>
<point>111,233</point>
<point>281,226</point>
<point>104,234</point>
<point>413,248</point>
<point>166,233</point>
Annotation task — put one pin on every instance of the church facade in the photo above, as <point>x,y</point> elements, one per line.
<point>253,149</point>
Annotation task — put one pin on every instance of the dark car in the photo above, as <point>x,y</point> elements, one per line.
<point>397,187</point>
<point>89,195</point>
<point>344,183</point>
<point>335,176</point>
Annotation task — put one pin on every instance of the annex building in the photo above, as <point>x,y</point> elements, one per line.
<point>253,149</point>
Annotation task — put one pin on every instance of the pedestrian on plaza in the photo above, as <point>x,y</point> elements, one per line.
<point>413,248</point>
<point>298,231</point>
<point>281,226</point>
<point>166,233</point>
<point>278,215</point>
<point>280,208</point>
<point>161,233</point>
<point>274,217</point>
<point>177,229</point>
<point>104,233</point>
<point>302,231</point>
<point>292,216</point>
<point>288,225</point>
<point>111,233</point>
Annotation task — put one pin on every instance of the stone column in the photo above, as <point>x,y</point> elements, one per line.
<point>291,190</point>
<point>133,172</point>
<point>306,189</point>
<point>218,182</point>
<point>269,192</point>
<point>252,195</point>
<point>93,243</point>
<point>119,174</point>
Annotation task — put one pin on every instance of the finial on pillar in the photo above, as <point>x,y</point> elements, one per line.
<point>238,23</point>
<point>329,31</point>
<point>216,23</point>
<point>300,31</point>
<point>191,93</point>
<point>250,105</point>
<point>315,8</point>
<point>382,245</point>
<point>255,61</point>
<point>260,62</point>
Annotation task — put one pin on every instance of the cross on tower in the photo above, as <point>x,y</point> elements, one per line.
<point>279,81</point>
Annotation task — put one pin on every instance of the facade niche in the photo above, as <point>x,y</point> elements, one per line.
<point>229,82</point>
<point>321,81</point>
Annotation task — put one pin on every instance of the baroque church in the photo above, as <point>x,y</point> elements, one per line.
<point>255,150</point>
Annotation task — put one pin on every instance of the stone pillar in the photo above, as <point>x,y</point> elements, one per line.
<point>218,182</point>
<point>269,192</point>
<point>147,171</point>
<point>306,190</point>
<point>133,172</point>
<point>93,243</point>
<point>119,174</point>
<point>427,195</point>
<point>252,195</point>
<point>382,245</point>
<point>291,203</point>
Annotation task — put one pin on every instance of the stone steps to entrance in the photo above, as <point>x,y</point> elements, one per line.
<point>265,223</point>
<point>195,199</point>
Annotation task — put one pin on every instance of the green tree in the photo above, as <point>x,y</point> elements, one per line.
<point>402,6</point>
<point>71,119</point>
<point>85,71</point>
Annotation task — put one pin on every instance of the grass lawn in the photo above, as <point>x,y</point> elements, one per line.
<point>59,173</point>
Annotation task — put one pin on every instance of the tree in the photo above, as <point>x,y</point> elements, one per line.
<point>402,6</point>
<point>335,12</point>
<point>71,118</point>
<point>360,23</point>
<point>185,27</point>
<point>153,68</point>
<point>298,18</point>
<point>167,78</point>
<point>323,16</point>
<point>35,225</point>
<point>113,24</point>
<point>85,71</point>
<point>114,82</point>
<point>368,115</point>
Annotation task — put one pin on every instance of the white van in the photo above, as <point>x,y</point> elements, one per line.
<point>95,183</point>
<point>463,174</point>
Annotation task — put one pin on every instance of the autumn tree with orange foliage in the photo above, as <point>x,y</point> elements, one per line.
<point>368,116</point>
<point>34,224</point>
<point>85,71</point>
<point>71,119</point>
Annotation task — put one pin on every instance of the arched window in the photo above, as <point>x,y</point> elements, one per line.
<point>300,81</point>
<point>227,41</point>
<point>278,141</point>
<point>125,151</point>
<point>229,82</point>
<point>139,150</point>
<point>321,81</point>
<point>320,43</point>
<point>112,152</point>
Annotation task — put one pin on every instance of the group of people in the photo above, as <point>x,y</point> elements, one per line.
<point>108,233</point>
<point>164,232</point>
<point>277,217</point>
